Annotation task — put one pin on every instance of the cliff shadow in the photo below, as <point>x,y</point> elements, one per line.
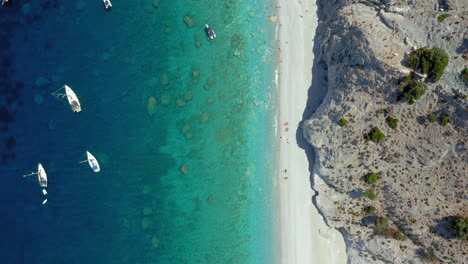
<point>315,95</point>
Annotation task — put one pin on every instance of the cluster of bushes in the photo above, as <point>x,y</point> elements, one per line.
<point>410,89</point>
<point>392,122</point>
<point>460,228</point>
<point>430,61</point>
<point>382,227</point>
<point>375,135</point>
<point>443,118</point>
<point>342,122</point>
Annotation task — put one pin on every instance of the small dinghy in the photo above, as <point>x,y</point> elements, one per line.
<point>44,202</point>
<point>71,96</point>
<point>44,191</point>
<point>92,161</point>
<point>210,32</point>
<point>41,175</point>
<point>107,4</point>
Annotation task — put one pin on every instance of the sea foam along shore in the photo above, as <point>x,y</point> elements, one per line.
<point>303,236</point>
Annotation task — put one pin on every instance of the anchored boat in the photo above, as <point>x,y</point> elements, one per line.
<point>4,2</point>
<point>71,96</point>
<point>41,176</point>
<point>92,161</point>
<point>107,4</point>
<point>210,32</point>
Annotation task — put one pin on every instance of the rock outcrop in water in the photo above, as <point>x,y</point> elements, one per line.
<point>421,163</point>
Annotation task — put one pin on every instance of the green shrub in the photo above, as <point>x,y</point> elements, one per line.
<point>430,255</point>
<point>430,61</point>
<point>432,118</point>
<point>372,178</point>
<point>460,228</point>
<point>381,225</point>
<point>392,122</point>
<point>370,194</point>
<point>342,122</point>
<point>398,235</point>
<point>465,74</point>
<point>369,210</point>
<point>375,135</point>
<point>443,17</point>
<point>444,120</point>
<point>412,90</point>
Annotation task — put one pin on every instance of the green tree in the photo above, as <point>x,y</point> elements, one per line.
<point>392,122</point>
<point>342,122</point>
<point>375,135</point>
<point>370,194</point>
<point>432,118</point>
<point>430,61</point>
<point>372,178</point>
<point>381,224</point>
<point>412,91</point>
<point>460,227</point>
<point>444,120</point>
<point>398,235</point>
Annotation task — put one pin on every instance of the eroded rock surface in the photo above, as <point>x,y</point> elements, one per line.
<point>422,166</point>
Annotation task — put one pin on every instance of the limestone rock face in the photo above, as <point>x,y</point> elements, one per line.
<point>363,48</point>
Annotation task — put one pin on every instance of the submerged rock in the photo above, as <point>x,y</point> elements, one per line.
<point>184,169</point>
<point>38,99</point>
<point>188,21</point>
<point>211,199</point>
<point>146,189</point>
<point>272,19</point>
<point>155,3</point>
<point>147,211</point>
<point>180,102</point>
<point>145,223</point>
<point>165,99</point>
<point>151,106</point>
<point>41,81</point>
<point>155,242</point>
<point>165,79</point>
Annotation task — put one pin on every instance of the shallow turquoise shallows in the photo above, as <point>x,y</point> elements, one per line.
<point>182,127</point>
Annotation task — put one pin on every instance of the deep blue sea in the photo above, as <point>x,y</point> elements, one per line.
<point>187,157</point>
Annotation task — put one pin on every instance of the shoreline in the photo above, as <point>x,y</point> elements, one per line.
<point>303,235</point>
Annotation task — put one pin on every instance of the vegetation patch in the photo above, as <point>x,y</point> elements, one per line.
<point>392,122</point>
<point>375,135</point>
<point>382,227</point>
<point>432,118</point>
<point>430,255</point>
<point>430,61</point>
<point>444,120</point>
<point>369,210</point>
<point>410,89</point>
<point>370,194</point>
<point>342,122</point>
<point>465,74</point>
<point>443,17</point>
<point>372,178</point>
<point>460,227</point>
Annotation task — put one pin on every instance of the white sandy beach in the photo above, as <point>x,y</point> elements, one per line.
<point>304,237</point>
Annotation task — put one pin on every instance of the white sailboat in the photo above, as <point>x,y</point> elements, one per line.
<point>41,175</point>
<point>92,161</point>
<point>72,98</point>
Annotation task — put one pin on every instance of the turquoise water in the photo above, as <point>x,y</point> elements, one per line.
<point>187,157</point>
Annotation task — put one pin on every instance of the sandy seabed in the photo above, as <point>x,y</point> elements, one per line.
<point>304,237</point>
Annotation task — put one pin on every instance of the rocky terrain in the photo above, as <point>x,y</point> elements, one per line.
<point>421,164</point>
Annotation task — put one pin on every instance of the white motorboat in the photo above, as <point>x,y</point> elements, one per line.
<point>72,99</point>
<point>92,161</point>
<point>4,2</point>
<point>41,175</point>
<point>107,4</point>
<point>44,202</point>
<point>44,191</point>
<point>210,32</point>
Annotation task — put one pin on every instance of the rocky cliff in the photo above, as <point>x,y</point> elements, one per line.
<point>421,164</point>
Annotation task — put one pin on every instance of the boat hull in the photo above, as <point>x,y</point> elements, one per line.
<point>93,163</point>
<point>72,99</point>
<point>41,176</point>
